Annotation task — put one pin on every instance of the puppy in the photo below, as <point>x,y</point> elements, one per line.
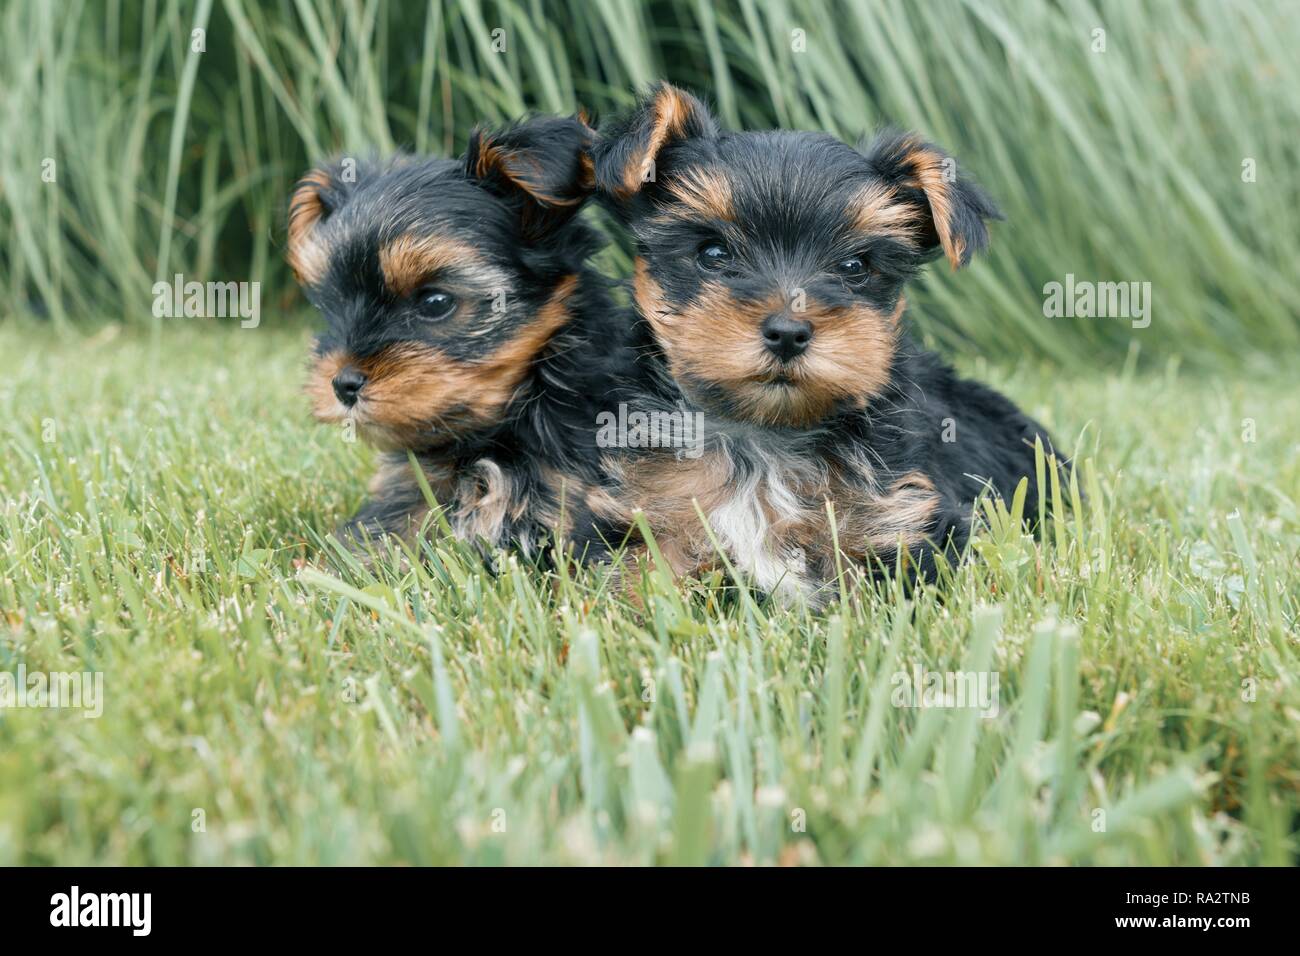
<point>769,278</point>
<point>464,325</point>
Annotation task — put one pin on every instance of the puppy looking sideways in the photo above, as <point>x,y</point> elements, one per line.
<point>461,318</point>
<point>769,277</point>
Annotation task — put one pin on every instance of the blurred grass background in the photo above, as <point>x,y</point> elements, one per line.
<point>1125,164</point>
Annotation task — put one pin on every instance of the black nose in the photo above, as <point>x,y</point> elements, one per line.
<point>785,337</point>
<point>347,384</point>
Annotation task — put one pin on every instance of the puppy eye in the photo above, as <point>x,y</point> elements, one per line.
<point>852,268</point>
<point>713,256</point>
<point>434,303</point>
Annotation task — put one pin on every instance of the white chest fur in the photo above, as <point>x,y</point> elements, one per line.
<point>751,524</point>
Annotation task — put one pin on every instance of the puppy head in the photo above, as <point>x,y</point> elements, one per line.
<point>441,281</point>
<point>771,265</point>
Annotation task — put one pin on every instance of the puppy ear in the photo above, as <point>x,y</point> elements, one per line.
<point>543,165</point>
<point>953,208</point>
<point>316,196</point>
<point>629,150</point>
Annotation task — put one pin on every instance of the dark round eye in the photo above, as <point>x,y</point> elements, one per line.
<point>713,256</point>
<point>434,303</point>
<point>851,268</point>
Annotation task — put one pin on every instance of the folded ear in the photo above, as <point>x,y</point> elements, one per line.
<point>629,150</point>
<point>953,209</point>
<point>542,165</point>
<point>317,195</point>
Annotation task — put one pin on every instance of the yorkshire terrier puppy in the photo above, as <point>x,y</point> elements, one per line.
<point>464,325</point>
<point>769,279</point>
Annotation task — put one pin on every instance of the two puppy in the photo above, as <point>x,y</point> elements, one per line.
<point>466,326</point>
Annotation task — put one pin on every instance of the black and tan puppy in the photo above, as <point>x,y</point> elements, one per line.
<point>770,270</point>
<point>465,326</point>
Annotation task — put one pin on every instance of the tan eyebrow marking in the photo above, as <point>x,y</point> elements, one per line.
<point>705,192</point>
<point>409,260</point>
<point>876,210</point>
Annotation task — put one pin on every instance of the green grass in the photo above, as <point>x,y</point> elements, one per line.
<point>1122,165</point>
<point>163,504</point>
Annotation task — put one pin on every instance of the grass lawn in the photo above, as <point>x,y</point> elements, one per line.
<point>163,507</point>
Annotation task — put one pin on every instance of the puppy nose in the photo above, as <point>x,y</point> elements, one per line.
<point>785,337</point>
<point>347,384</point>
